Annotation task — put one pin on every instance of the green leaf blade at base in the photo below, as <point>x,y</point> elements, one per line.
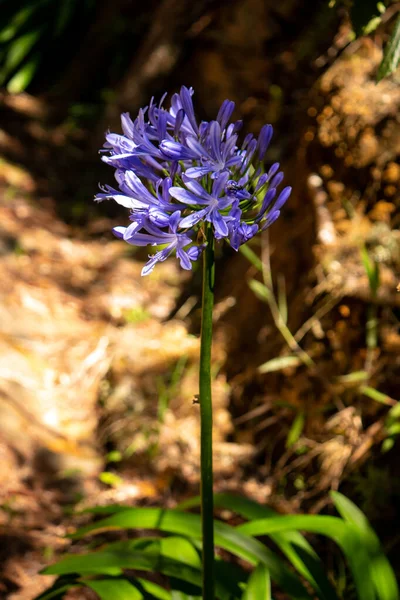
<point>391,56</point>
<point>259,585</point>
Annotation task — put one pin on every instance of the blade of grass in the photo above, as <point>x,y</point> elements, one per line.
<point>392,53</point>
<point>259,585</point>
<point>381,570</point>
<point>114,589</point>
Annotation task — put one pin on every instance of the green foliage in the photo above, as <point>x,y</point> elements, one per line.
<point>372,270</point>
<point>278,306</point>
<point>391,56</point>
<point>258,585</point>
<point>392,426</point>
<point>366,15</point>
<point>34,31</point>
<point>111,570</point>
<point>111,479</point>
<point>296,429</point>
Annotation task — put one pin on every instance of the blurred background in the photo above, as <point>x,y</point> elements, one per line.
<point>98,366</point>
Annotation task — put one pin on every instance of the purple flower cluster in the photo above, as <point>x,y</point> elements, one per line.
<point>175,175</point>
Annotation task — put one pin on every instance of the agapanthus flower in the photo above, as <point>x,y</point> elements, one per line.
<point>178,176</point>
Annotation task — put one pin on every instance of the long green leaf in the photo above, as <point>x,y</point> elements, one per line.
<point>113,562</point>
<point>392,53</point>
<point>178,595</point>
<point>381,570</point>
<point>259,585</point>
<point>279,363</point>
<point>20,81</point>
<point>260,290</point>
<point>296,429</point>
<point>183,550</point>
<point>189,525</point>
<point>377,395</point>
<point>176,547</point>
<point>20,49</point>
<point>153,589</point>
<point>294,545</point>
<point>114,589</point>
<point>344,534</point>
<point>157,555</point>
<point>251,256</point>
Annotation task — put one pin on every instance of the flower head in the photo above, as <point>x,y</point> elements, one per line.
<point>175,174</point>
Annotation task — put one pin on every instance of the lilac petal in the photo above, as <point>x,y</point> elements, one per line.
<point>196,188</point>
<point>127,124</point>
<point>234,241</point>
<point>175,169</point>
<point>268,198</point>
<point>272,217</point>
<point>215,140</point>
<point>264,140</point>
<point>176,105</point>
<point>194,218</point>
<point>158,257</point>
<point>125,201</point>
<point>198,149</point>
<point>234,161</point>
<point>119,232</point>
<point>225,113</point>
<point>249,137</point>
<point>120,142</point>
<point>277,179</point>
<point>165,185</point>
<point>243,181</point>
<point>261,182</point>
<point>158,217</point>
<point>248,155</point>
<point>187,105</point>
<point>176,151</point>
<point>186,197</point>
<point>180,115</point>
<point>194,252</point>
<point>274,168</point>
<point>109,160</point>
<point>235,213</point>
<point>203,129</point>
<point>237,126</point>
<point>133,182</point>
<point>224,202</point>
<point>145,239</point>
<point>230,131</point>
<point>174,220</point>
<point>196,172</point>
<point>131,230</point>
<point>162,125</point>
<point>221,228</point>
<point>219,184</point>
<point>229,147</point>
<point>248,231</point>
<point>184,259</point>
<point>283,196</point>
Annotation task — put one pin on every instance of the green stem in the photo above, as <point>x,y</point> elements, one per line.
<point>207,509</point>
